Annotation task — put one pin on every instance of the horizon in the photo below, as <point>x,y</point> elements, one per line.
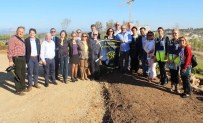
<point>51,14</point>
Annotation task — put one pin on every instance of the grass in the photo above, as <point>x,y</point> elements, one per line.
<point>200,64</point>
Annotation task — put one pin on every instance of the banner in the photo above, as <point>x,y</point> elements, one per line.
<point>110,52</point>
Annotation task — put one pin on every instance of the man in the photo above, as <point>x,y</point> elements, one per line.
<point>161,54</point>
<point>94,56</point>
<point>32,45</point>
<point>117,28</point>
<point>130,25</point>
<point>125,39</point>
<point>16,56</point>
<point>93,28</point>
<point>56,41</point>
<point>142,54</point>
<point>47,55</point>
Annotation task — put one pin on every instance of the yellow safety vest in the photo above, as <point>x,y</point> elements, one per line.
<point>177,60</point>
<point>160,56</point>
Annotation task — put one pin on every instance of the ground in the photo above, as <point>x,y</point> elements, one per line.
<point>116,98</point>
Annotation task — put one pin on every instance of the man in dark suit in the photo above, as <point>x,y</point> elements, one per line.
<point>32,46</point>
<point>56,41</point>
<point>142,54</point>
<point>93,28</point>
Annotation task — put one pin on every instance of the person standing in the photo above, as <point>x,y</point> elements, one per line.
<point>56,41</point>
<point>109,34</point>
<point>174,60</point>
<point>142,54</point>
<point>63,55</point>
<point>93,28</point>
<point>47,55</point>
<point>149,49</point>
<point>117,28</point>
<point>134,61</point>
<point>185,67</point>
<point>16,57</point>
<point>94,56</point>
<point>161,54</point>
<point>125,38</point>
<point>74,57</point>
<point>32,45</point>
<point>79,35</point>
<point>83,55</point>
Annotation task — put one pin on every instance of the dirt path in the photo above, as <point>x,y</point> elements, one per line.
<point>135,100</point>
<point>64,103</point>
<point>117,98</point>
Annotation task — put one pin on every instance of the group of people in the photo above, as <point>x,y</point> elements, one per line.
<point>83,52</point>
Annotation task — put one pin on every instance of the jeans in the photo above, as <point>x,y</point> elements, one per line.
<point>186,80</point>
<point>33,67</point>
<point>64,67</point>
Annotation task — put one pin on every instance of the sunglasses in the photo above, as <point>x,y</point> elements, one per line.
<point>94,34</point>
<point>84,36</point>
<point>149,35</point>
<point>110,31</point>
<point>53,31</point>
<point>123,28</point>
<point>78,32</point>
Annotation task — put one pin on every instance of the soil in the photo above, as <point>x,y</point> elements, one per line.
<point>116,98</point>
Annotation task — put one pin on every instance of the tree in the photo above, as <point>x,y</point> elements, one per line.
<point>99,26</point>
<point>110,24</point>
<point>65,23</point>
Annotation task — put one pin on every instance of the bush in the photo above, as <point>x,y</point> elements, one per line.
<point>197,71</point>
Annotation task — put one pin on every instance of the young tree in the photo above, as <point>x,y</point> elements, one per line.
<point>65,23</point>
<point>99,26</point>
<point>110,24</point>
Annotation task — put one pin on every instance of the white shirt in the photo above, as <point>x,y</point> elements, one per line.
<point>116,32</point>
<point>47,50</point>
<point>144,41</point>
<point>149,45</point>
<point>33,47</point>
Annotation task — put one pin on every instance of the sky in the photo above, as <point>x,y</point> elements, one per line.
<point>45,14</point>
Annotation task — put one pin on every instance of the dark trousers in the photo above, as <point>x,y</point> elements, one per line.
<point>186,81</point>
<point>33,68</point>
<point>174,76</point>
<point>95,69</point>
<point>144,63</point>
<point>124,56</point>
<point>64,67</point>
<point>49,68</point>
<point>57,62</point>
<point>134,63</point>
<point>20,72</point>
<point>162,68</point>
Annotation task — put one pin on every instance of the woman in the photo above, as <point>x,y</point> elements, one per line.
<point>185,69</point>
<point>74,57</point>
<point>134,61</point>
<point>174,60</point>
<point>63,55</point>
<point>83,56</point>
<point>149,49</point>
<point>110,34</point>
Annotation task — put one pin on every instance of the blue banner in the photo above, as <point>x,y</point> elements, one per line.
<point>110,52</point>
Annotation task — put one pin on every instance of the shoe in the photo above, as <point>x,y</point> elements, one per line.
<point>37,86</point>
<point>65,81</point>
<point>57,78</point>
<point>29,88</point>
<point>72,80</point>
<point>76,79</point>
<point>172,88</point>
<point>55,83</point>
<point>46,84</point>
<point>185,95</point>
<point>25,90</point>
<point>20,93</point>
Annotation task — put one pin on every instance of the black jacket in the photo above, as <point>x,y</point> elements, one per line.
<point>28,48</point>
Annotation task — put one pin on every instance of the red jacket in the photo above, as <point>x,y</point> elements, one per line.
<point>188,57</point>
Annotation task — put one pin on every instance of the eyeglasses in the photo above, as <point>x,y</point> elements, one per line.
<point>110,31</point>
<point>94,34</point>
<point>123,28</point>
<point>149,35</point>
<point>78,32</point>
<point>53,31</point>
<point>84,36</point>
